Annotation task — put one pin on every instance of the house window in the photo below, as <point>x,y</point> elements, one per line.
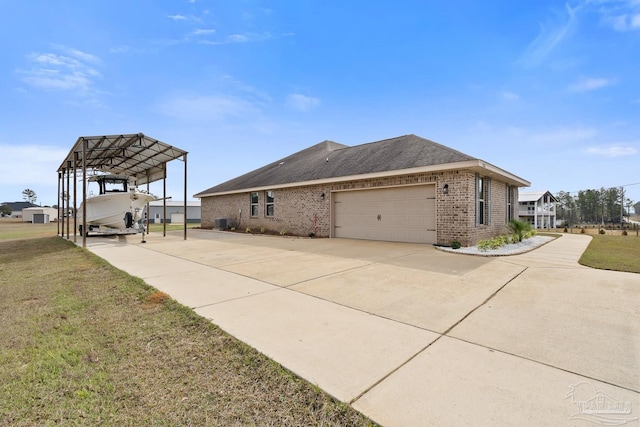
<point>269,205</point>
<point>254,204</point>
<point>509,203</point>
<point>480,205</point>
<point>483,200</point>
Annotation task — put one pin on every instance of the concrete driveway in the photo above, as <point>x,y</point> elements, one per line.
<point>413,336</point>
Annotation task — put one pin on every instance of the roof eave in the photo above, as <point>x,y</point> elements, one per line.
<point>475,165</point>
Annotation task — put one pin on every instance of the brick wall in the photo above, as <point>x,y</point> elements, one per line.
<point>303,210</point>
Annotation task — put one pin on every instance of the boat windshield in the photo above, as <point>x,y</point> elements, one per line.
<point>113,185</point>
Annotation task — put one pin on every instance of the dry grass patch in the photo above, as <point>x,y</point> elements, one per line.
<point>80,346</point>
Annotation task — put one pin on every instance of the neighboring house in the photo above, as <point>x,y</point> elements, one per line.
<point>538,208</point>
<point>39,214</point>
<point>175,212</point>
<point>405,189</point>
<point>17,207</point>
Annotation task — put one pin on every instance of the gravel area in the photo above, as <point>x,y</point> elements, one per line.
<point>512,249</point>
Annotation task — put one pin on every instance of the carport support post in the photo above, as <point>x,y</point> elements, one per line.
<point>75,199</point>
<point>58,205</point>
<point>164,202</point>
<point>84,193</point>
<point>68,197</point>
<point>185,196</point>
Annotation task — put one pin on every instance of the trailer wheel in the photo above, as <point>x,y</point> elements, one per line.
<point>128,220</point>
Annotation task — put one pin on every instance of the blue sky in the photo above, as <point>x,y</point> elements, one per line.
<point>548,90</point>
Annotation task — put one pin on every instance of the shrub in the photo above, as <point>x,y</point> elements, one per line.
<point>601,231</point>
<point>493,243</point>
<point>312,234</point>
<point>624,232</point>
<point>565,229</point>
<point>283,232</point>
<point>519,228</point>
<point>248,230</point>
<point>582,230</point>
<point>262,230</point>
<point>455,244</point>
<point>484,245</point>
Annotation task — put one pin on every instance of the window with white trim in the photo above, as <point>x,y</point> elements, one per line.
<point>254,203</point>
<point>480,206</point>
<point>269,207</point>
<point>509,198</point>
<point>483,200</point>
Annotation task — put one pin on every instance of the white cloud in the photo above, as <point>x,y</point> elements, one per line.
<point>613,150</point>
<point>621,15</point>
<point>301,102</point>
<point>30,164</point>
<point>563,135</point>
<point>587,84</point>
<point>212,108</point>
<point>244,38</point>
<point>509,96</point>
<point>177,17</point>
<point>203,32</point>
<point>550,36</point>
<point>68,71</point>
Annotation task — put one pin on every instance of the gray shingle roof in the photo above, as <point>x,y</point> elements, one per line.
<point>18,206</point>
<point>329,159</point>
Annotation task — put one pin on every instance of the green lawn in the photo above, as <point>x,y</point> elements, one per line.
<point>619,253</point>
<point>83,343</point>
<point>157,228</point>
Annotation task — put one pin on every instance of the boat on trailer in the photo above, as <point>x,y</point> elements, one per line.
<point>117,207</point>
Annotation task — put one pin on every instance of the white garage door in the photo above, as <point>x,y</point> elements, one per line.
<point>177,218</point>
<point>401,214</point>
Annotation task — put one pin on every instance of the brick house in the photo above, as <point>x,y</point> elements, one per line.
<point>405,189</point>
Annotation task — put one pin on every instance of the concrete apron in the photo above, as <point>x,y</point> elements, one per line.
<point>412,336</point>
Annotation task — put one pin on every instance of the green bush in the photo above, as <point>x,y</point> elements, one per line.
<point>624,232</point>
<point>455,244</point>
<point>519,229</point>
<point>484,245</point>
<point>601,231</point>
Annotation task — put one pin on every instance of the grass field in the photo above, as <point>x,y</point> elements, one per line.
<point>83,343</point>
<point>613,252</point>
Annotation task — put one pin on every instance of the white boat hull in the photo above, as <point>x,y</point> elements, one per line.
<point>110,209</point>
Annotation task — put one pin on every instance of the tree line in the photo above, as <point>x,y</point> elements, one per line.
<point>606,205</point>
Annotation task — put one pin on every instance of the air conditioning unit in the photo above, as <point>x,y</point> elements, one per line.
<point>221,223</point>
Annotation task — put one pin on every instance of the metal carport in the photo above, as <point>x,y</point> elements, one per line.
<point>138,156</point>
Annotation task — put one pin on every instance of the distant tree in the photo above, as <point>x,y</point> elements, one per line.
<point>567,206</point>
<point>5,210</point>
<point>636,208</point>
<point>29,195</point>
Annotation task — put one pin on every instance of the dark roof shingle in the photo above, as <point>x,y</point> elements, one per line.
<point>329,159</point>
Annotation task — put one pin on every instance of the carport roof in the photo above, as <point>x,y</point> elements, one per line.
<point>330,161</point>
<point>137,156</point>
